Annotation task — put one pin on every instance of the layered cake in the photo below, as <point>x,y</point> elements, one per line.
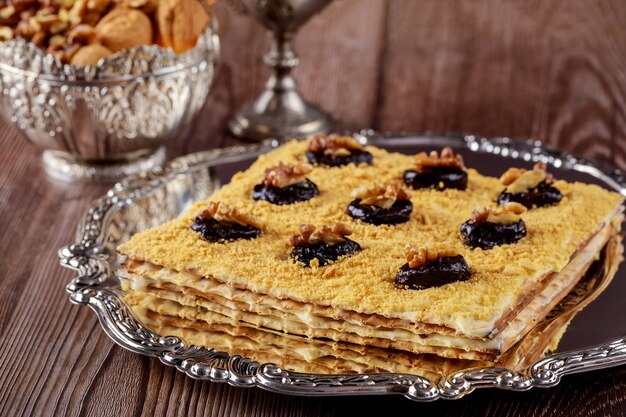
<point>330,256</point>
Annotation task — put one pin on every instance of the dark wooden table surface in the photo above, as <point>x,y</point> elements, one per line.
<point>548,69</point>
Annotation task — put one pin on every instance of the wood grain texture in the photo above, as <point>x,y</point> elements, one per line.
<point>553,70</point>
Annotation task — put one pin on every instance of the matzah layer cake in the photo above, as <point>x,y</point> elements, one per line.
<point>256,283</point>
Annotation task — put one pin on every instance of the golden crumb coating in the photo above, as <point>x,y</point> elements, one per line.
<point>364,282</point>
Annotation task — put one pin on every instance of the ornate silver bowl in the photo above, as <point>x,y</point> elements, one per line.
<point>151,198</point>
<point>110,120</point>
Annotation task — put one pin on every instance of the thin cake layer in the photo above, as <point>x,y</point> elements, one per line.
<point>501,279</point>
<point>298,353</point>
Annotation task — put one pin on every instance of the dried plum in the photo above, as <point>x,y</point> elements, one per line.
<point>324,252</point>
<point>301,191</point>
<point>214,231</point>
<point>544,194</point>
<point>399,212</point>
<point>486,235</point>
<point>356,156</point>
<point>439,178</point>
<point>436,273</point>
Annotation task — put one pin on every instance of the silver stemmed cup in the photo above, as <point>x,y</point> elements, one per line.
<point>280,111</point>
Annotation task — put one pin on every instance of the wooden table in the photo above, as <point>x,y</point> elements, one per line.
<point>545,69</point>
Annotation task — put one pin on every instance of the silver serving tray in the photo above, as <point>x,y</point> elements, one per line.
<point>147,200</point>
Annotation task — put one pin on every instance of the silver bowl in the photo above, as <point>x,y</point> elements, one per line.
<point>107,121</point>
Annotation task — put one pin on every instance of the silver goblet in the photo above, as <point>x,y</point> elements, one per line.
<point>280,111</point>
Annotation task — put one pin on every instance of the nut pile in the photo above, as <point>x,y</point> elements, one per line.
<point>310,235</point>
<point>381,195</point>
<point>417,257</point>
<point>282,175</point>
<point>507,214</point>
<point>81,32</point>
<point>447,159</point>
<point>519,180</point>
<point>222,213</point>
<point>334,145</point>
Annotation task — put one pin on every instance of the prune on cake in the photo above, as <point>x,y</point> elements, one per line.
<point>530,188</point>
<point>336,150</point>
<point>319,246</point>
<point>438,171</point>
<point>428,268</point>
<point>381,204</point>
<point>286,184</point>
<point>488,227</point>
<point>218,222</point>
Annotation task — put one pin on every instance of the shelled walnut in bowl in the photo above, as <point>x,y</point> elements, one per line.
<point>81,32</point>
<point>94,84</point>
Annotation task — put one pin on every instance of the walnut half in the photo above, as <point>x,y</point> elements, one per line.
<point>6,33</point>
<point>282,175</point>
<point>310,235</point>
<point>447,159</point>
<point>417,257</point>
<point>507,214</point>
<point>124,28</point>
<point>222,213</point>
<point>520,180</point>
<point>333,145</point>
<point>381,195</point>
<point>180,23</point>
<point>90,54</point>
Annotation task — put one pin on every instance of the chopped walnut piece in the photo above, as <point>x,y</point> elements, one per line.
<point>282,175</point>
<point>56,42</point>
<point>46,21</point>
<point>77,12</point>
<point>447,159</point>
<point>25,30</point>
<point>381,195</point>
<point>310,235</point>
<point>507,214</point>
<point>9,14</point>
<point>417,257</point>
<point>6,33</point>
<point>83,34</point>
<point>519,180</point>
<point>334,145</point>
<point>222,213</point>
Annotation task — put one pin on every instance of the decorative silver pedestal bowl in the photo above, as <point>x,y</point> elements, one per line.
<point>107,121</point>
<point>280,111</point>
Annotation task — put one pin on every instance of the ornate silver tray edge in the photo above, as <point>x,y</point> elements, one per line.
<point>88,257</point>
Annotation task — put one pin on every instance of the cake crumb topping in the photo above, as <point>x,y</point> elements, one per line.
<point>334,145</point>
<point>417,257</point>
<point>308,234</point>
<point>447,159</point>
<point>507,214</point>
<point>519,180</point>
<point>220,212</point>
<point>282,175</point>
<point>381,195</point>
